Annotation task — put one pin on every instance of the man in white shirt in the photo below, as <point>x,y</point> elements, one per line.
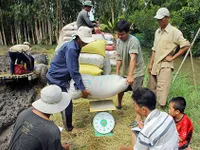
<point>158,132</point>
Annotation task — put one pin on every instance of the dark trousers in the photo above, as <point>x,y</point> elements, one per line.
<point>23,56</point>
<point>67,113</point>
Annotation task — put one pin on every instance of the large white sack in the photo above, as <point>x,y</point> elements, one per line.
<point>91,59</point>
<point>106,65</point>
<point>103,86</point>
<point>112,54</point>
<point>108,36</point>
<point>109,42</point>
<point>98,36</point>
<point>69,33</point>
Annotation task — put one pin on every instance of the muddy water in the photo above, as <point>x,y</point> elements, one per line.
<point>187,68</point>
<point>14,98</point>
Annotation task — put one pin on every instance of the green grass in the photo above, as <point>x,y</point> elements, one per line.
<point>83,138</point>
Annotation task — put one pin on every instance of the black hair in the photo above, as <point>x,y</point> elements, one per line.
<point>144,97</point>
<point>179,103</point>
<point>122,25</point>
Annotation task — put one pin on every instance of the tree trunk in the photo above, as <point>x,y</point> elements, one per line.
<point>37,32</point>
<point>50,32</point>
<point>40,31</point>
<point>28,32</point>
<point>19,33</point>
<point>16,35</point>
<point>113,10</point>
<point>25,32</point>
<point>57,20</point>
<point>3,34</point>
<point>12,34</point>
<point>32,31</point>
<point>1,38</point>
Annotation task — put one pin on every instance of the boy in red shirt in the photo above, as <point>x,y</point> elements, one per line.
<point>184,125</point>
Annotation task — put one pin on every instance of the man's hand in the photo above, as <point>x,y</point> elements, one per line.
<point>140,124</point>
<point>66,146</point>
<point>169,58</point>
<point>149,70</point>
<point>130,80</point>
<point>85,93</point>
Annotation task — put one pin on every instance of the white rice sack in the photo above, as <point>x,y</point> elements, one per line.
<point>113,62</point>
<point>68,27</point>
<point>75,27</point>
<point>109,42</point>
<point>99,86</point>
<point>91,59</point>
<point>67,38</point>
<point>69,33</point>
<point>73,23</point>
<point>106,65</point>
<point>108,37</point>
<point>98,36</point>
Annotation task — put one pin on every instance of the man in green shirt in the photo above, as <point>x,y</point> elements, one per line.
<point>130,63</point>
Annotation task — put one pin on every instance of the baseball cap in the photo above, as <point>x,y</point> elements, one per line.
<point>87,3</point>
<point>161,13</point>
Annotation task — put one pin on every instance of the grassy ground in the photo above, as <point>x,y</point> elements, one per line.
<point>83,137</point>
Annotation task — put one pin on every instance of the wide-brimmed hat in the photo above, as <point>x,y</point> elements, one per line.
<point>85,34</point>
<point>27,43</point>
<point>87,3</point>
<point>161,13</point>
<point>52,100</point>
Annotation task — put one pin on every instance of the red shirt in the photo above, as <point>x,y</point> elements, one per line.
<point>185,130</point>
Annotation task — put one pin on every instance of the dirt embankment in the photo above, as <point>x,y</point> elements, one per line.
<point>14,97</point>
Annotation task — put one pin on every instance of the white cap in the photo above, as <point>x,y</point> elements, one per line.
<point>161,13</point>
<point>52,100</point>
<point>85,34</point>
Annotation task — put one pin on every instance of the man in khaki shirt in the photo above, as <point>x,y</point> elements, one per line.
<point>167,39</point>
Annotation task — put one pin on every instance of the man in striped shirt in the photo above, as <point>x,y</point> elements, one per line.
<point>158,132</point>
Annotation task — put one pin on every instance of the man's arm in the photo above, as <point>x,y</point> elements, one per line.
<point>151,62</point>
<point>118,66</point>
<point>87,20</point>
<point>130,78</point>
<point>178,54</point>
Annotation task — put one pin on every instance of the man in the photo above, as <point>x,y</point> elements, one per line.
<point>20,52</point>
<point>167,39</point>
<point>83,18</point>
<point>33,129</point>
<point>158,132</point>
<point>129,59</point>
<point>65,66</point>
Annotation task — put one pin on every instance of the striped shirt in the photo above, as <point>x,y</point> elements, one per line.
<point>159,133</point>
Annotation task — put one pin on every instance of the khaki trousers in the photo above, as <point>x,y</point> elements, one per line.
<point>160,85</point>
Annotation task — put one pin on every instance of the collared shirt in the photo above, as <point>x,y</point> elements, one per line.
<point>20,48</point>
<point>165,43</point>
<point>65,66</point>
<point>83,19</point>
<point>159,133</point>
<point>124,49</point>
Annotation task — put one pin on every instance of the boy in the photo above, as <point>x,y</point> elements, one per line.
<point>184,125</point>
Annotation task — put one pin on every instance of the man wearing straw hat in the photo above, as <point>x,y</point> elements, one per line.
<point>65,66</point>
<point>167,39</point>
<point>33,129</point>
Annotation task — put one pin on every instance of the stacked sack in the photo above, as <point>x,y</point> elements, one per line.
<point>92,57</point>
<point>66,34</point>
<point>110,50</point>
